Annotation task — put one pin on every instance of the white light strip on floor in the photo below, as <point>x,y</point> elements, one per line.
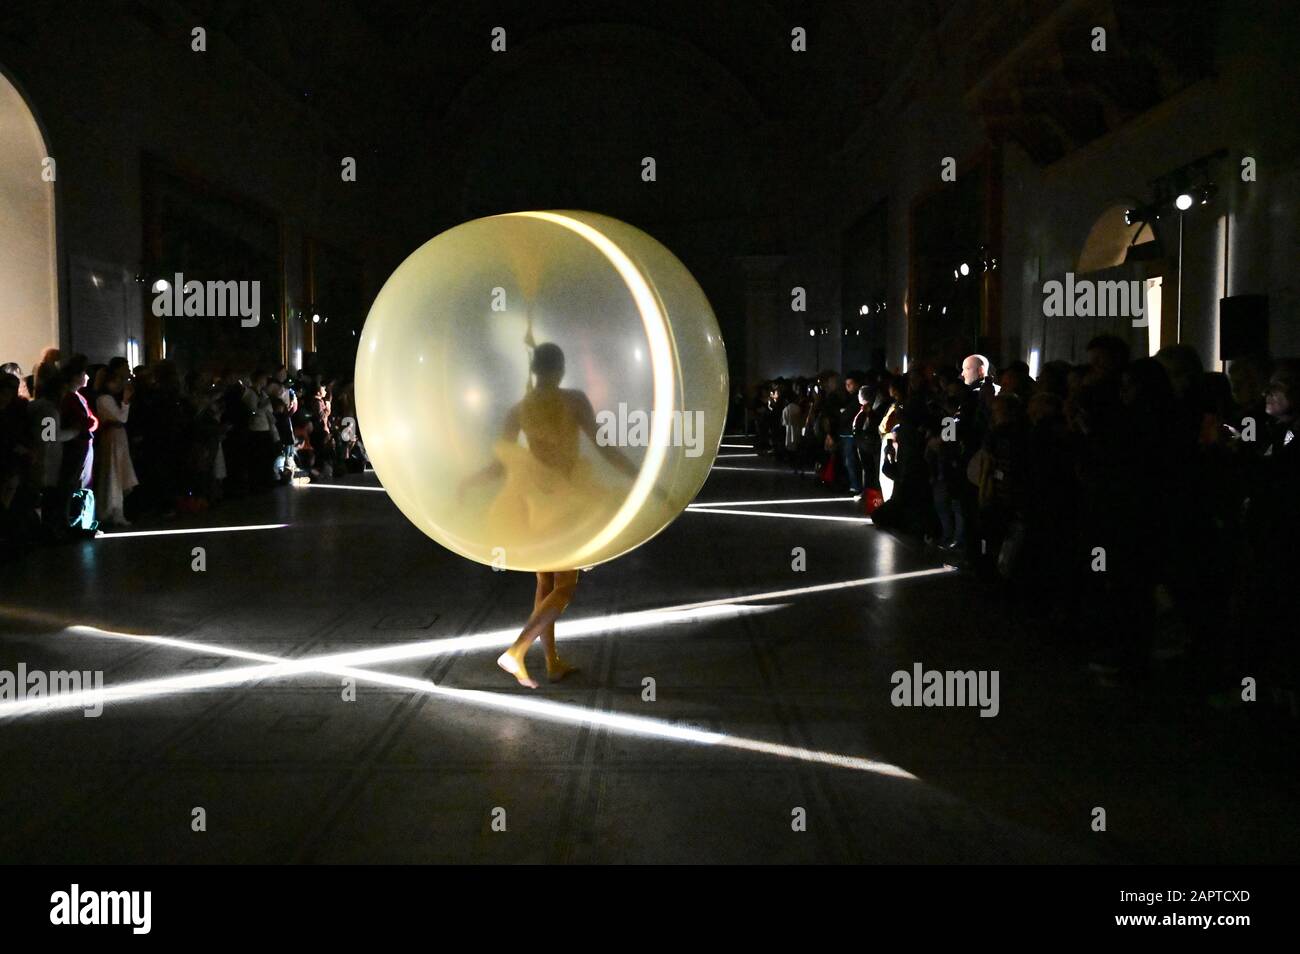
<point>693,508</point>
<point>753,503</point>
<point>749,446</point>
<point>815,588</point>
<point>280,667</point>
<point>167,533</point>
<point>730,456</point>
<point>757,470</point>
<point>496,639</point>
<point>493,639</point>
<point>514,702</point>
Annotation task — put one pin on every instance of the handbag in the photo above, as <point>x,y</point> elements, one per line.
<point>889,466</point>
<point>827,473</point>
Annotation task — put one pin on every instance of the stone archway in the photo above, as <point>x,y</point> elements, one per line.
<point>29,284</point>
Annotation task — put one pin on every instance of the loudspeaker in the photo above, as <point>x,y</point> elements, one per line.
<point>1243,326</point>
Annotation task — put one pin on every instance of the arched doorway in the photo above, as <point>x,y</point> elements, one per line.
<point>29,286</point>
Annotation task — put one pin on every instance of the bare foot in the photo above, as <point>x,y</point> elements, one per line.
<point>516,668</point>
<point>558,670</point>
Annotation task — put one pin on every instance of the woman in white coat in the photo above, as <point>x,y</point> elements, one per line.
<point>114,475</point>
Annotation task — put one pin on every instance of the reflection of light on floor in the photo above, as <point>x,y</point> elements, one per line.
<point>514,702</point>
<point>754,470</point>
<point>167,533</point>
<point>815,588</point>
<point>398,652</point>
<point>497,639</point>
<point>696,508</point>
<point>728,456</point>
<point>745,446</point>
<point>345,665</point>
<point>759,503</point>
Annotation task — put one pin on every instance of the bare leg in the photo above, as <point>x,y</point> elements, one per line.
<point>545,613</point>
<point>556,668</point>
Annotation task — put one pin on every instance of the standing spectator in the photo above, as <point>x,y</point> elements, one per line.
<point>47,439</point>
<point>114,473</point>
<point>79,452</point>
<point>262,441</point>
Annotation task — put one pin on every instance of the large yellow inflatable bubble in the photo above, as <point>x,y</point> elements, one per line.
<point>541,390</point>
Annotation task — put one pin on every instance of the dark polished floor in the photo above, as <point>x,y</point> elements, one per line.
<point>764,704</point>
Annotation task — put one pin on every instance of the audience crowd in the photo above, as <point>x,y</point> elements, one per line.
<point>1146,507</point>
<point>86,446</point>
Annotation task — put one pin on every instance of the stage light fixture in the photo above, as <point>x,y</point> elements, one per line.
<point>965,269</point>
<point>161,285</point>
<point>1184,201</point>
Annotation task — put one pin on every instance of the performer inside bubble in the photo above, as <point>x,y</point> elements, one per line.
<point>548,485</point>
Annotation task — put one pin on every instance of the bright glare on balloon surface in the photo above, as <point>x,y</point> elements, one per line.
<point>541,390</point>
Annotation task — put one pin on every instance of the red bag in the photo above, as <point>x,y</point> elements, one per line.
<point>827,474</point>
<point>871,499</point>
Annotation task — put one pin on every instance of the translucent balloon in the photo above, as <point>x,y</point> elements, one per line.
<point>541,390</point>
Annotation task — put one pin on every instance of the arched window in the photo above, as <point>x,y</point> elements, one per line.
<point>1109,240</point>
<point>29,287</point>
